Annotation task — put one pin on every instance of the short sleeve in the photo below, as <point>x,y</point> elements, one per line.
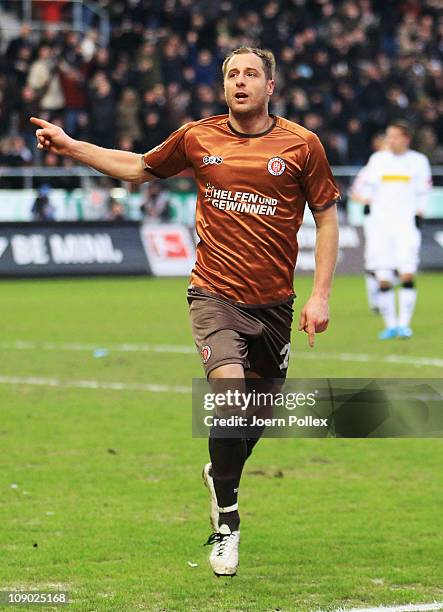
<point>169,157</point>
<point>365,180</point>
<point>316,179</point>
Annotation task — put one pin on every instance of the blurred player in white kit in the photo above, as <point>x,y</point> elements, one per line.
<point>378,144</point>
<point>396,182</point>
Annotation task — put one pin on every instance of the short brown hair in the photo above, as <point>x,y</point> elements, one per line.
<point>403,126</point>
<point>266,56</point>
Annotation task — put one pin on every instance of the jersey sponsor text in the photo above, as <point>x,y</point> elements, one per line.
<point>240,201</point>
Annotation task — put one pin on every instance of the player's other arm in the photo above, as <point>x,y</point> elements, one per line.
<point>423,188</point>
<point>118,164</point>
<point>322,196</point>
<point>314,317</point>
<point>359,191</point>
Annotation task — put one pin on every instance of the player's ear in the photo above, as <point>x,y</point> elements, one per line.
<point>270,87</point>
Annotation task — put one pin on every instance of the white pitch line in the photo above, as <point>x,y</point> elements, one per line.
<point>365,358</point>
<point>91,384</point>
<point>79,346</point>
<point>39,381</point>
<point>406,608</point>
<point>169,348</point>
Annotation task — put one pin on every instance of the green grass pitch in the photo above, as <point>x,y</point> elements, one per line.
<point>100,491</point>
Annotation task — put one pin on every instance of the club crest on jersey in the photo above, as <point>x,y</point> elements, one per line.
<point>205,353</point>
<point>212,159</point>
<point>276,166</point>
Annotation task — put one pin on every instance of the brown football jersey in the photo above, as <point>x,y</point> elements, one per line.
<point>252,191</point>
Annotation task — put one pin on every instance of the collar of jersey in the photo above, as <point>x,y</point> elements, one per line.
<point>270,128</point>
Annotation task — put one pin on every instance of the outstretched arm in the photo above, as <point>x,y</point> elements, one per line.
<point>118,164</point>
<point>314,317</point>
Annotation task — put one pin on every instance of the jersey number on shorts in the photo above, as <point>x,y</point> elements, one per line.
<point>286,351</point>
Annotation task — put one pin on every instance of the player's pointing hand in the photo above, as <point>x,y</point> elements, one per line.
<point>51,137</point>
<point>314,317</point>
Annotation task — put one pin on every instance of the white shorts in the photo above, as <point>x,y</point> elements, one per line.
<point>395,248</point>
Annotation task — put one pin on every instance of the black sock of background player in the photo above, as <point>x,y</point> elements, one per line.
<point>251,442</point>
<point>254,433</point>
<point>228,456</point>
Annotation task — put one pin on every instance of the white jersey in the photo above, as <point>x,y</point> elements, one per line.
<point>397,186</point>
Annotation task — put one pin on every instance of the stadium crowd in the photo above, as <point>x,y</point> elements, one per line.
<point>345,69</point>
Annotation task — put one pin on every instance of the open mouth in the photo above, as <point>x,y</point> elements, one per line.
<point>240,95</point>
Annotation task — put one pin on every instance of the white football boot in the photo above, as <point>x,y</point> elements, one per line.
<point>209,484</point>
<point>224,555</point>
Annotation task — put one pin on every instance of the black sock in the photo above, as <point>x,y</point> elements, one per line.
<point>231,519</point>
<point>228,456</point>
<point>254,434</point>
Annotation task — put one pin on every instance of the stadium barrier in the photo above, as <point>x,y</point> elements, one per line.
<point>94,248</point>
<point>131,248</point>
<point>431,255</point>
<point>71,249</point>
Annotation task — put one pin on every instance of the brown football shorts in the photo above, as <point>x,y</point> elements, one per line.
<point>256,337</point>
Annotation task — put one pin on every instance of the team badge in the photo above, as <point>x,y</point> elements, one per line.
<point>205,353</point>
<point>276,166</point>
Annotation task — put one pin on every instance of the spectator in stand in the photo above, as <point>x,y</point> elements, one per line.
<point>42,209</point>
<point>100,63</point>
<point>358,147</point>
<point>51,37</point>
<point>335,149</point>
<point>428,144</point>
<point>72,77</point>
<point>155,101</point>
<point>128,115</point>
<point>24,40</point>
<point>206,68</point>
<point>205,101</point>
<point>156,206</point>
<point>155,129</point>
<point>20,65</point>
<point>116,211</point>
<point>179,103</point>
<point>127,38</point>
<point>15,152</point>
<point>44,79</point>
<point>172,59</point>
<point>149,55</point>
<point>102,113</point>
<point>89,45</point>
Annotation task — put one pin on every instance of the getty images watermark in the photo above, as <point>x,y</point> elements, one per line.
<point>235,408</point>
<point>319,408</point>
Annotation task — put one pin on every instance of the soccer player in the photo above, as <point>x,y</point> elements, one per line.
<point>397,182</point>
<point>378,144</point>
<point>255,172</point>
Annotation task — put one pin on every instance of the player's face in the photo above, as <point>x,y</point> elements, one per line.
<point>396,140</point>
<point>247,89</point>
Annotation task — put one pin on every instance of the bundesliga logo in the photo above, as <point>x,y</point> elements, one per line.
<point>205,353</point>
<point>276,166</point>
